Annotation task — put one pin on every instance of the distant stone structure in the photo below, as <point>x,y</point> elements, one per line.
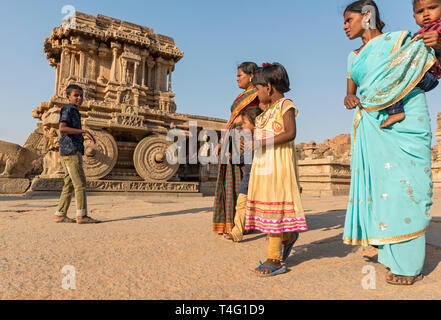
<point>337,148</point>
<point>324,169</point>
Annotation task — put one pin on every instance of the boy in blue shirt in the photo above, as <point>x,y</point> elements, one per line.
<point>249,116</point>
<point>71,152</point>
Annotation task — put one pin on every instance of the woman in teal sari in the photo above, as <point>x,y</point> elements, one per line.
<point>391,188</point>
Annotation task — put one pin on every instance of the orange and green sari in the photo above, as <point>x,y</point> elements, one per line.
<point>230,175</point>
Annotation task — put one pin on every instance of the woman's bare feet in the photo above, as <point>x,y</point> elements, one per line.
<point>393,118</point>
<point>402,280</point>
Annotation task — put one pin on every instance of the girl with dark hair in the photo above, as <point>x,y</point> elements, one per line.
<point>391,187</point>
<point>229,174</point>
<point>274,206</point>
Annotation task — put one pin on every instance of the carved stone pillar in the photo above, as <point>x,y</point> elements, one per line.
<point>57,78</point>
<point>64,53</point>
<point>135,74</point>
<point>170,70</point>
<point>72,64</point>
<point>143,71</point>
<point>159,74</point>
<point>115,49</point>
<point>102,54</point>
<point>124,72</point>
<point>136,98</point>
<point>82,65</point>
<point>150,65</point>
<point>92,64</point>
<point>164,77</point>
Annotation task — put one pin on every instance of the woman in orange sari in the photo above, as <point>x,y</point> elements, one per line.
<point>229,174</point>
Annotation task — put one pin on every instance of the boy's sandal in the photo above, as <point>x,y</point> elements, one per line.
<point>86,220</point>
<point>403,280</point>
<point>286,250</point>
<point>274,270</point>
<point>64,220</point>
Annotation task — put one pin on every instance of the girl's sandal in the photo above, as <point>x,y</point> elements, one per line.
<point>275,271</point>
<point>403,280</point>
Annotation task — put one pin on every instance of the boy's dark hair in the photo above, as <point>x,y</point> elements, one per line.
<point>251,113</point>
<point>248,67</point>
<point>275,74</point>
<point>360,7</point>
<point>73,87</point>
<point>414,2</point>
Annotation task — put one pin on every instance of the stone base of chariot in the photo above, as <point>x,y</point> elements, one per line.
<point>41,185</point>
<point>325,177</point>
<point>14,185</point>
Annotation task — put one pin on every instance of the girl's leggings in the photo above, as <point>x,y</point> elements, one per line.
<point>276,244</point>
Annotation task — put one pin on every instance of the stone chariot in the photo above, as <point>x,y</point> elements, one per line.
<point>126,73</point>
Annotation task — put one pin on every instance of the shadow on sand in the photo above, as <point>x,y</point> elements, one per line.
<point>331,247</point>
<point>334,247</point>
<point>164,214</point>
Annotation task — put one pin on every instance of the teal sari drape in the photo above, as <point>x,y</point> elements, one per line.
<point>391,187</point>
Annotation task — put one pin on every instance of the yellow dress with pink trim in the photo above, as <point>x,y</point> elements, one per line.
<point>274,204</point>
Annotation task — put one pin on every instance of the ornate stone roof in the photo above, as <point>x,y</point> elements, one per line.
<point>106,29</point>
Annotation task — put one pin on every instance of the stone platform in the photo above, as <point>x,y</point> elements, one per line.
<point>44,184</point>
<point>325,177</point>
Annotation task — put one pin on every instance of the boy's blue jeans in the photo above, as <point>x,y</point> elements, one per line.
<point>428,83</point>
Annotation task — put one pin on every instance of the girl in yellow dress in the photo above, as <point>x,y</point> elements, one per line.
<point>274,206</point>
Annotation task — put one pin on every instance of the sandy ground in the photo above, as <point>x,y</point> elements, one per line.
<point>163,248</point>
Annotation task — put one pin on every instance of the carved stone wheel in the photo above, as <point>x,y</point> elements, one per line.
<point>150,159</point>
<point>100,158</point>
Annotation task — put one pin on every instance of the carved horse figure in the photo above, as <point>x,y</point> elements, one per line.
<point>16,161</point>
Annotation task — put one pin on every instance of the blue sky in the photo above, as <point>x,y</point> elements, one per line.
<point>216,36</point>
